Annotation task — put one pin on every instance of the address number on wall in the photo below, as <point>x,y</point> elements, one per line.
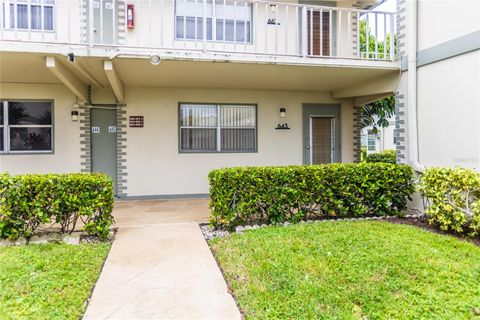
<point>95,129</point>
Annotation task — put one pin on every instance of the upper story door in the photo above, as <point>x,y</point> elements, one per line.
<point>102,21</point>
<point>319,32</point>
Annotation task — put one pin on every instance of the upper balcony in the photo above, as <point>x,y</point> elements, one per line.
<point>223,30</point>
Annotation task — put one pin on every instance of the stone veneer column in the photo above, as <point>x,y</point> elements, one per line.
<point>85,152</point>
<point>122,150</point>
<point>400,101</point>
<point>357,138</point>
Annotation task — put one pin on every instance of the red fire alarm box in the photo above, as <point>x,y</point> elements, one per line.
<point>130,16</point>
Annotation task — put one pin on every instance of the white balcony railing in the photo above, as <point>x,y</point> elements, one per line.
<point>252,27</point>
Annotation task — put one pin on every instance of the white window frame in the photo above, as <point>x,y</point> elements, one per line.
<point>6,129</point>
<point>374,139</point>
<point>7,18</point>
<point>3,128</point>
<point>218,128</point>
<point>198,5</point>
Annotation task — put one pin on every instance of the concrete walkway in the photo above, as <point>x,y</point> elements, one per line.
<point>160,267</point>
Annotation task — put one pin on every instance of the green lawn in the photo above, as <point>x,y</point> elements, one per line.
<point>351,270</point>
<point>51,281</point>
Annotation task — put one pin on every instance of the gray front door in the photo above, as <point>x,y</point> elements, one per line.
<point>102,20</point>
<point>321,133</point>
<point>104,142</point>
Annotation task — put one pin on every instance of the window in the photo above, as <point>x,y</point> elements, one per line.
<point>230,21</point>
<point>28,14</point>
<point>26,126</point>
<point>218,128</point>
<point>371,140</point>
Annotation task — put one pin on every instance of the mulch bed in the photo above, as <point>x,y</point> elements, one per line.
<point>423,223</point>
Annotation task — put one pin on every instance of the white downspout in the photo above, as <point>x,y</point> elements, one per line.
<point>412,86</point>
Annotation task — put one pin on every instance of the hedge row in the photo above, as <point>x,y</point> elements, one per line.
<point>277,194</point>
<point>387,156</point>
<point>27,201</point>
<point>452,199</point>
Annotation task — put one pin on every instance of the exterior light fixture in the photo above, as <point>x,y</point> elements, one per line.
<point>71,57</point>
<point>155,59</point>
<point>283,126</point>
<point>74,115</point>
<point>273,8</point>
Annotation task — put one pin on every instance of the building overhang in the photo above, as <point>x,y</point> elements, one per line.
<point>122,71</point>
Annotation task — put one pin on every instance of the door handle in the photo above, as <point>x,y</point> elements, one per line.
<point>307,147</point>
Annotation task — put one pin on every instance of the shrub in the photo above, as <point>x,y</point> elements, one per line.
<point>452,199</point>
<point>363,154</point>
<point>277,194</point>
<point>26,201</point>
<point>387,156</point>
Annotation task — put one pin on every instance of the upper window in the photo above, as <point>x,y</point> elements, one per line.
<point>26,126</point>
<point>218,128</point>
<point>229,21</point>
<point>28,14</point>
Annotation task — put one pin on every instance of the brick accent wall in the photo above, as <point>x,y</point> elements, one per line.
<point>85,152</point>
<point>401,27</point>
<point>400,100</point>
<point>357,138</point>
<point>399,131</point>
<point>121,151</point>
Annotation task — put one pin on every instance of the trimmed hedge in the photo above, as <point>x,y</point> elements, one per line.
<point>277,194</point>
<point>26,201</point>
<point>452,199</point>
<point>387,156</point>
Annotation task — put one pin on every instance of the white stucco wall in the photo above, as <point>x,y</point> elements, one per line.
<point>66,155</point>
<point>155,167</point>
<point>449,112</point>
<point>448,96</point>
<point>440,21</point>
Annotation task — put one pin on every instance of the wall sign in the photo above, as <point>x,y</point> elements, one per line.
<point>95,129</point>
<point>273,21</point>
<point>112,129</point>
<point>135,121</point>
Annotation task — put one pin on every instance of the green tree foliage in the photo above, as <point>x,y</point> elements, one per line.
<point>377,113</point>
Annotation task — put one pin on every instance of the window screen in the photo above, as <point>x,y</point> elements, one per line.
<point>217,128</point>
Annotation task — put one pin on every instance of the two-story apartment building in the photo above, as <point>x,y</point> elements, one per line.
<point>156,93</point>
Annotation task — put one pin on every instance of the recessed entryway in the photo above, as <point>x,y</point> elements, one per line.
<point>103,132</point>
<point>321,133</point>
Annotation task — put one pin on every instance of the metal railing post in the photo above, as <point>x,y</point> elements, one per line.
<point>204,23</point>
<point>304,35</point>
<point>91,30</point>
<point>392,36</point>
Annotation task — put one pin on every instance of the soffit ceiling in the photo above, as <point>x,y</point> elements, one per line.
<point>30,68</point>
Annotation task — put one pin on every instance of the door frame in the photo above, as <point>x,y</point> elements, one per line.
<point>310,110</point>
<point>108,107</point>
